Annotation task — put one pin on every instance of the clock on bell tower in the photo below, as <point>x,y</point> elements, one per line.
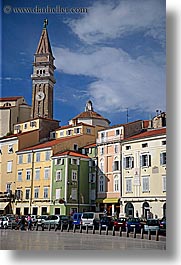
<point>43,78</point>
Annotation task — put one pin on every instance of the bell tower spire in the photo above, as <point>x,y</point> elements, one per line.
<point>43,77</point>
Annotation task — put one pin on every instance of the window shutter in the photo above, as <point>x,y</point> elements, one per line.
<point>132,162</point>
<point>124,162</point>
<point>161,158</point>
<point>141,161</point>
<point>149,160</point>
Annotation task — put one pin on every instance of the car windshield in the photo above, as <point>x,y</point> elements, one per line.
<point>152,222</point>
<point>88,215</point>
<point>64,218</point>
<point>134,220</point>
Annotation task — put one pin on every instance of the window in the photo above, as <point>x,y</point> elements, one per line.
<point>38,157</point>
<point>28,174</point>
<point>92,177</point>
<point>20,175</point>
<point>32,123</point>
<point>25,126</point>
<point>45,193</point>
<point>69,132</point>
<point>8,187</point>
<point>74,194</point>
<point>77,130</point>
<point>46,173</point>
<point>115,165</point>
<point>117,132</point>
<point>36,193</point>
<point>101,150</point>
<point>58,175</point>
<point>59,161</point>
<point>27,194</point>
<point>29,158</point>
<point>93,195</point>
<point>20,159</point>
<point>128,147</point>
<point>163,142</point>
<point>74,161</point>
<point>76,147</point>
<point>116,183</point>
<point>128,162</point>
<point>164,183</point>
<point>145,184</point>
<point>102,165</point>
<point>145,160</point>
<point>47,155</point>
<point>10,149</point>
<point>58,194</point>
<point>9,166</point>
<point>18,194</point>
<point>88,131</point>
<point>74,175</point>
<point>163,158</point>
<point>144,145</point>
<point>128,185</point>
<point>37,174</point>
<point>116,148</point>
<point>101,184</point>
<point>61,133</point>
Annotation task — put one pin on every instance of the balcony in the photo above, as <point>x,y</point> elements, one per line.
<point>110,139</point>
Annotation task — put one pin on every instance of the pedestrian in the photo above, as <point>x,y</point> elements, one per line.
<point>22,223</point>
<point>29,222</point>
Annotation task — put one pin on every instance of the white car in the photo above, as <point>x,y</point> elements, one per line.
<point>3,222</point>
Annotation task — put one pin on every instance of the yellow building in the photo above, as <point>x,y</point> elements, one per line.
<point>12,111</point>
<point>144,174</point>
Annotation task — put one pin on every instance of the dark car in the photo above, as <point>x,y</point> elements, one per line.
<point>132,223</point>
<point>64,221</point>
<point>106,221</point>
<point>162,226</point>
<point>120,222</point>
<point>151,225</point>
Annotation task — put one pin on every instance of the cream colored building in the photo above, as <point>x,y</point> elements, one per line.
<point>143,191</point>
<point>12,111</point>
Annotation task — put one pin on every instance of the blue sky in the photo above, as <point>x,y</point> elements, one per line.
<point>113,55</point>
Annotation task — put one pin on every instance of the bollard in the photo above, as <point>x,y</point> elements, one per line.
<point>87,229</point>
<point>37,227</point>
<point>106,230</point>
<point>100,230</point>
<point>42,227</point>
<point>134,232</point>
<point>127,232</point>
<point>61,227</point>
<point>68,227</point>
<point>74,228</point>
<point>49,227</point>
<point>120,231</point>
<point>149,235</point>
<point>157,235</point>
<point>113,231</point>
<point>93,229</point>
<point>12,226</point>
<point>142,235</point>
<point>80,228</point>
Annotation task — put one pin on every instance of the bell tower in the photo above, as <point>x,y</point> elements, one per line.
<point>43,78</point>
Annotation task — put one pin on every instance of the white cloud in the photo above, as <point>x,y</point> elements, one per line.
<point>121,81</point>
<point>109,20</point>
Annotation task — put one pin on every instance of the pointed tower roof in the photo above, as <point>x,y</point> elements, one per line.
<point>44,43</point>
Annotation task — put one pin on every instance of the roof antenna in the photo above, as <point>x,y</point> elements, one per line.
<point>45,23</point>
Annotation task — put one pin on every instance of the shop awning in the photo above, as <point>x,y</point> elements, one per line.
<point>3,205</point>
<point>111,200</point>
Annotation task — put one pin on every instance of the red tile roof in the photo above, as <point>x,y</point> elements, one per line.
<point>150,133</point>
<point>18,134</point>
<point>49,143</point>
<point>71,153</point>
<point>72,126</point>
<point>90,114</point>
<point>90,145</point>
<point>11,98</point>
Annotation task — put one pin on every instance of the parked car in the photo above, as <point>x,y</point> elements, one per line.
<point>91,219</point>
<point>106,221</point>
<point>76,218</point>
<point>40,219</point>
<point>162,225</point>
<point>152,225</point>
<point>3,222</point>
<point>51,219</point>
<point>120,222</point>
<point>13,222</point>
<point>64,220</point>
<point>132,223</point>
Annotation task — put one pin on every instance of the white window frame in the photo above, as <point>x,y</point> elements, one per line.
<point>37,170</point>
<point>46,173</point>
<point>116,184</point>
<point>163,158</point>
<point>29,158</point>
<point>28,174</point>
<point>58,175</point>
<point>145,184</point>
<point>27,191</point>
<point>74,194</point>
<point>36,193</point>
<point>20,175</point>
<point>20,159</point>
<point>47,155</point>
<point>9,166</point>
<point>164,184</point>
<point>38,157</point>
<point>45,192</point>
<point>10,149</point>
<point>128,162</point>
<point>57,193</point>
<point>8,187</point>
<point>101,184</point>
<point>145,160</point>
<point>129,185</point>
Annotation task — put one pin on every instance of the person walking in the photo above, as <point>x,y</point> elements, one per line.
<point>29,222</point>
